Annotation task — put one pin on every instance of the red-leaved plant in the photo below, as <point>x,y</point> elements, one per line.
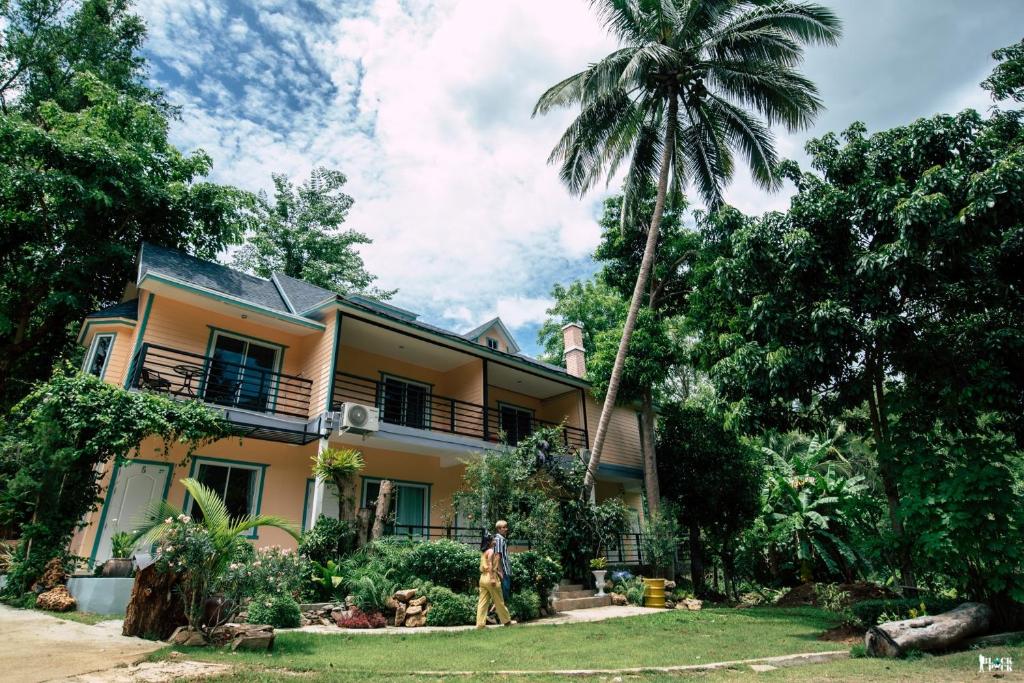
<point>357,618</point>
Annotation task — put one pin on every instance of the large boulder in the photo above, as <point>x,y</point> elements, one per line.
<point>400,614</point>
<point>259,637</point>
<point>405,595</point>
<point>619,599</point>
<point>56,600</point>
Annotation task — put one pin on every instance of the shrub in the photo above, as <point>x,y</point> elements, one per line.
<point>869,612</point>
<point>539,572</point>
<point>280,611</point>
<point>121,544</point>
<point>524,605</point>
<point>267,571</point>
<point>357,618</point>
<point>329,539</point>
<point>445,563</point>
<point>372,590</point>
<point>632,588</point>
<point>448,608</point>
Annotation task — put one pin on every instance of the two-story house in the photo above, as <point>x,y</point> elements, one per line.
<point>279,356</point>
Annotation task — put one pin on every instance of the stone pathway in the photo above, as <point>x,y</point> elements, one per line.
<point>578,616</point>
<point>39,647</point>
<point>758,665</point>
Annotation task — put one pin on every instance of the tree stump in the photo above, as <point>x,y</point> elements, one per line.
<point>363,519</point>
<point>155,609</point>
<point>928,633</point>
<point>383,506</point>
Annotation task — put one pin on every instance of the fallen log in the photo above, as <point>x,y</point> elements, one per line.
<point>928,633</point>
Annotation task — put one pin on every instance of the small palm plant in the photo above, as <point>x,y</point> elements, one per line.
<point>200,550</point>
<point>339,466</point>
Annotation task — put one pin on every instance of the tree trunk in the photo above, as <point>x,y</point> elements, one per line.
<point>155,608</point>
<point>363,519</point>
<point>634,304</point>
<point>696,561</point>
<point>383,506</point>
<point>928,633</point>
<point>650,456</point>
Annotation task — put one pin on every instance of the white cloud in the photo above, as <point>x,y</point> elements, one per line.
<point>519,311</point>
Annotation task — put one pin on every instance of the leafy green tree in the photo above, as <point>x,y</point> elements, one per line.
<point>693,81</point>
<point>812,507</point>
<point>86,175</point>
<point>592,303</point>
<point>53,445</point>
<point>1007,79</point>
<point>298,234</point>
<point>700,462</point>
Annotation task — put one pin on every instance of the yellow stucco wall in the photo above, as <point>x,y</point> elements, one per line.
<point>120,353</point>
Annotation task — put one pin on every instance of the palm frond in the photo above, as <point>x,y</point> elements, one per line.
<point>152,524</point>
<point>753,138</point>
<point>245,524</point>
<point>777,92</point>
<point>215,512</point>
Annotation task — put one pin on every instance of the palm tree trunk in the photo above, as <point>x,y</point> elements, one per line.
<point>634,305</point>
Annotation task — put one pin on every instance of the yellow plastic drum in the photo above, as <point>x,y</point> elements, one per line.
<point>654,593</point>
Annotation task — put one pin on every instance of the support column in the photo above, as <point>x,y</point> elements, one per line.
<point>316,506</point>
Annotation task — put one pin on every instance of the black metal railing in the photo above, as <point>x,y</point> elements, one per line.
<point>184,374</point>
<point>468,535</point>
<point>628,549</point>
<point>409,406</point>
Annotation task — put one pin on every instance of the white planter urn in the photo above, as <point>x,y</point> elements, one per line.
<point>599,575</point>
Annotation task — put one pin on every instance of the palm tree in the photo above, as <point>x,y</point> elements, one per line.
<point>225,535</point>
<point>694,81</point>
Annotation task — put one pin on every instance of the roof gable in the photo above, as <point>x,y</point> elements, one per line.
<point>494,325</point>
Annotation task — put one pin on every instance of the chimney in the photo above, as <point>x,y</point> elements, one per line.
<point>575,357</point>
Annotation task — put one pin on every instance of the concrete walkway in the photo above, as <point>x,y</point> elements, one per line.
<point>39,647</point>
<point>578,616</point>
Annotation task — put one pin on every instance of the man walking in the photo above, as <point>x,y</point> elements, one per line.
<point>504,561</point>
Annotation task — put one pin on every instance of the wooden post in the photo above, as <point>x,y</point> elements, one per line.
<point>383,506</point>
<point>362,526</point>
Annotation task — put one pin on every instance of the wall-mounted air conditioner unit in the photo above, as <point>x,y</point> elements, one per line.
<point>358,418</point>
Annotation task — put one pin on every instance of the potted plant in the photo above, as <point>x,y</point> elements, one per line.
<point>120,564</point>
<point>660,543</point>
<point>599,568</point>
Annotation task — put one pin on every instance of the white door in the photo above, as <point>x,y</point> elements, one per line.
<point>136,484</point>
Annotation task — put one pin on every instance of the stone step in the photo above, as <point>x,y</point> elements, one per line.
<point>568,604</point>
<point>563,595</point>
<point>569,587</point>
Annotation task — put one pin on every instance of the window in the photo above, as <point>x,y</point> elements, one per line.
<point>242,372</point>
<point>403,402</point>
<point>99,354</point>
<point>409,509</point>
<point>238,485</point>
<point>516,422</point>
<point>492,343</point>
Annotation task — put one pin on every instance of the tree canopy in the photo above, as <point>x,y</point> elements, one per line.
<point>298,234</point>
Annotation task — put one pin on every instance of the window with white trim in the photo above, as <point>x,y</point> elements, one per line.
<point>492,343</point>
<point>98,357</point>
<point>237,484</point>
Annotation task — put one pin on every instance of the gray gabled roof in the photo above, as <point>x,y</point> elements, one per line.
<point>126,309</point>
<point>296,297</point>
<point>474,334</point>
<point>209,275</point>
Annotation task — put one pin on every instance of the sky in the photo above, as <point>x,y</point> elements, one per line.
<point>426,106</point>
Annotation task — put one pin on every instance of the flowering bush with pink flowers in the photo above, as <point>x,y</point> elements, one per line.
<point>267,571</point>
<point>186,548</point>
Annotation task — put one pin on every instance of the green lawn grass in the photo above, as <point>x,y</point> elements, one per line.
<point>666,639</point>
<point>84,617</point>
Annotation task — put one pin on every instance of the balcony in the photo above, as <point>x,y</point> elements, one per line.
<point>409,406</point>
<point>260,402</point>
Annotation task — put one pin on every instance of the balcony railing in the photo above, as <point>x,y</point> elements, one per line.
<point>628,550</point>
<point>468,535</point>
<point>183,374</point>
<point>422,409</point>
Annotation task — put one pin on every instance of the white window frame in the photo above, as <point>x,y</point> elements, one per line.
<point>493,343</point>
<point>256,495</point>
<point>90,356</point>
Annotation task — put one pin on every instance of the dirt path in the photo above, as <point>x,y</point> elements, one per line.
<point>39,647</point>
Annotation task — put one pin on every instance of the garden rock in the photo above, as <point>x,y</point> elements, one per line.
<point>416,619</point>
<point>340,615</point>
<point>619,599</point>
<point>53,576</point>
<point>187,637</point>
<point>254,638</point>
<point>405,595</point>
<point>692,604</point>
<point>418,602</point>
<point>56,600</point>
<point>400,613</point>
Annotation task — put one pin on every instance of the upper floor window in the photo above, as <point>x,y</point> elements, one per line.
<point>405,402</point>
<point>516,422</point>
<point>243,372</point>
<point>492,343</point>
<point>99,354</point>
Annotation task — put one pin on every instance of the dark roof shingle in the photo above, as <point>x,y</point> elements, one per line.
<point>125,309</point>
